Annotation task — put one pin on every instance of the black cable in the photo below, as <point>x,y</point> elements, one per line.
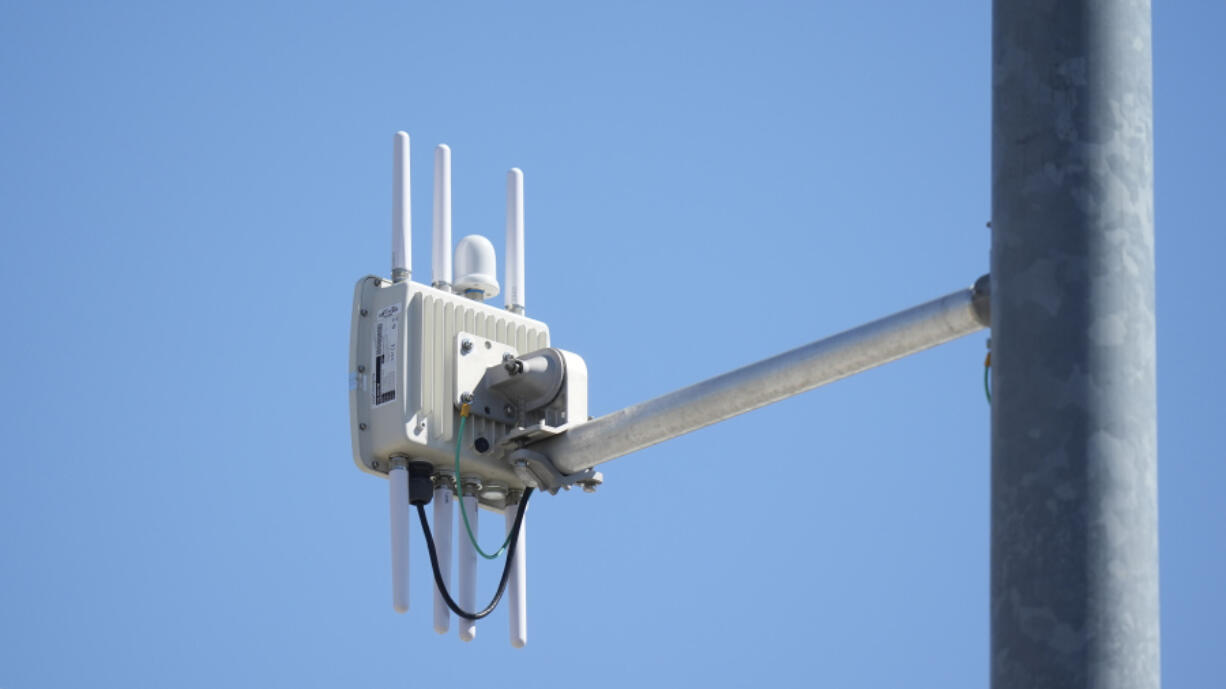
<point>506,569</point>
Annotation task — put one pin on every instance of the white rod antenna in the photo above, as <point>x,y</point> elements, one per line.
<point>517,584</point>
<point>402,223</point>
<point>468,567</point>
<point>444,498</point>
<point>515,241</point>
<point>398,503</point>
<point>441,263</point>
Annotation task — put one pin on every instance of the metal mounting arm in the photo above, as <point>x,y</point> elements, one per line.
<point>757,385</point>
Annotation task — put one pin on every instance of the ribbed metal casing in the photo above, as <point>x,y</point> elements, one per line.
<point>402,392</point>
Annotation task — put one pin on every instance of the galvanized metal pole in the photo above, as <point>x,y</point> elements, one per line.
<point>770,380</point>
<point>1074,568</point>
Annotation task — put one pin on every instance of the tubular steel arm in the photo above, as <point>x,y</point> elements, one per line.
<point>757,385</point>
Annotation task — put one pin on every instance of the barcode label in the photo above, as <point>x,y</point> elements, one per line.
<point>387,337</point>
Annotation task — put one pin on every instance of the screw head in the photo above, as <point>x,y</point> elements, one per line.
<point>466,346</point>
<point>363,312</point>
<point>466,398</point>
<point>361,426</point>
<point>509,410</point>
<point>361,368</point>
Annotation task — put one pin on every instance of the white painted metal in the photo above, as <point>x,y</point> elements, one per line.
<point>515,241</point>
<point>441,254</point>
<point>517,583</point>
<point>468,570</point>
<point>476,268</point>
<point>767,381</point>
<point>398,507</point>
<point>402,223</point>
<point>421,421</point>
<point>443,500</point>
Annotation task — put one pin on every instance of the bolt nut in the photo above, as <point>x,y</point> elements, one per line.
<point>589,485</point>
<point>466,398</point>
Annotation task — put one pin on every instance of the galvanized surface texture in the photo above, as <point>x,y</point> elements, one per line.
<point>767,381</point>
<point>1074,574</point>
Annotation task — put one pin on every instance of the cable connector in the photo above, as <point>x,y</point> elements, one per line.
<point>421,486</point>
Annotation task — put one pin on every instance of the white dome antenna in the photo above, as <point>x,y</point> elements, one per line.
<point>476,268</point>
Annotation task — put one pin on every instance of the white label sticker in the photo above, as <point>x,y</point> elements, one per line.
<point>387,336</point>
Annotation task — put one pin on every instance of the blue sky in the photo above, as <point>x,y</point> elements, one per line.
<point>188,192</point>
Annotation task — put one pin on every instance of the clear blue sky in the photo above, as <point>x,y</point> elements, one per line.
<point>188,192</point>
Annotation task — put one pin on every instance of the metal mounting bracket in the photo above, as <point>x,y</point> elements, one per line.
<point>538,471</point>
<point>474,355</point>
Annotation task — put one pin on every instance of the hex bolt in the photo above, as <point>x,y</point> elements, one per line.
<point>466,346</point>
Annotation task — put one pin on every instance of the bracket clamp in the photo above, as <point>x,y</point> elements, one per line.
<point>538,471</point>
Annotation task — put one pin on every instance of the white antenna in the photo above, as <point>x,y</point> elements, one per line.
<point>515,241</point>
<point>476,267</point>
<point>517,584</point>
<point>443,499</point>
<point>441,264</point>
<point>398,507</point>
<point>468,565</point>
<point>402,223</point>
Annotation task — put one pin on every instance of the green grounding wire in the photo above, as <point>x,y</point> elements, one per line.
<point>459,438</point>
